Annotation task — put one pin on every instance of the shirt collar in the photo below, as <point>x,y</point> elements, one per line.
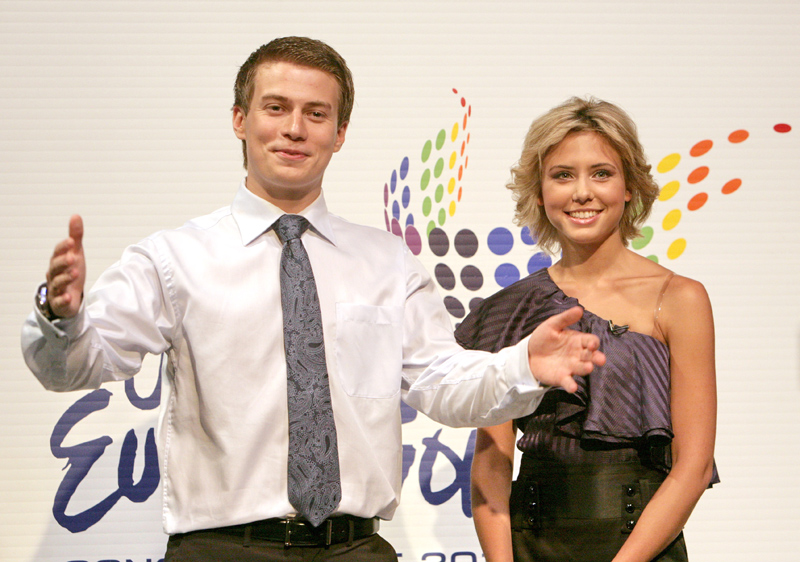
<point>254,215</point>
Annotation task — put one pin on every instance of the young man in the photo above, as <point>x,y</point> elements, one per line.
<point>212,296</point>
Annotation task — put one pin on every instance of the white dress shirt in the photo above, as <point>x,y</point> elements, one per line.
<point>208,295</point>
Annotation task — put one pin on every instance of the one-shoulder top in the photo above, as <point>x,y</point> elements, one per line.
<point>620,412</point>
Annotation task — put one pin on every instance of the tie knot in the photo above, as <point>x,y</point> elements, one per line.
<point>291,227</point>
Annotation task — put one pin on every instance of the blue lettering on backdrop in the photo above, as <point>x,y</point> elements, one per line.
<point>433,447</point>
<point>81,457</point>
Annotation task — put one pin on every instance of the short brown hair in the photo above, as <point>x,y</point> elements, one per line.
<point>301,51</point>
<point>546,132</point>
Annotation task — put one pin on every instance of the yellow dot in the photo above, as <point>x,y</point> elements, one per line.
<point>668,163</point>
<point>452,208</point>
<point>454,134</point>
<point>451,185</point>
<point>672,219</point>
<point>453,160</point>
<point>669,190</point>
<point>676,248</point>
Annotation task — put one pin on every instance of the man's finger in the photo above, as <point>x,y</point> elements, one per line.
<point>565,319</point>
<point>76,231</point>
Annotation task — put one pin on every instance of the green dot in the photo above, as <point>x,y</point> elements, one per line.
<point>643,239</point>
<point>439,193</point>
<point>431,226</point>
<point>442,217</point>
<point>426,206</point>
<point>426,150</point>
<point>653,258</point>
<point>437,169</point>
<point>440,139</point>
<point>426,178</point>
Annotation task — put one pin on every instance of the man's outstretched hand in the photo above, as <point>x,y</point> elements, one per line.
<point>556,354</point>
<point>67,272</point>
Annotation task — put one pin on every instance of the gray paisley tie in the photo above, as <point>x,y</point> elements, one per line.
<point>314,486</point>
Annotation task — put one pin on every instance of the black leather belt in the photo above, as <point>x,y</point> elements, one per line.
<point>298,532</point>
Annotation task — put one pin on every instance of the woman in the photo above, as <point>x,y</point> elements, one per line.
<point>613,470</point>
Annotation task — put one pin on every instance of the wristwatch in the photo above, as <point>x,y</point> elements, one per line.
<point>41,302</point>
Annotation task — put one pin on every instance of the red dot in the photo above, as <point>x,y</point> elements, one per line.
<point>738,136</point>
<point>731,186</point>
<point>701,148</point>
<point>697,201</point>
<point>470,111</point>
<point>698,174</point>
<point>463,102</point>
<point>783,128</point>
<point>455,91</point>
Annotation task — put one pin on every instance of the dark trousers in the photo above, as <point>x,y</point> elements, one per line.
<point>211,546</point>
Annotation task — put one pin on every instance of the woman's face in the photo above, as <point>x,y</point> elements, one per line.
<point>583,189</point>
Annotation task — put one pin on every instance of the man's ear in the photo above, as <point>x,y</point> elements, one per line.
<point>340,136</point>
<point>238,122</point>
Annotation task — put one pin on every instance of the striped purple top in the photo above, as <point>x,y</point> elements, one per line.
<point>621,411</point>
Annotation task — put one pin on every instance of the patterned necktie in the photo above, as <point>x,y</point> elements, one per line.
<point>314,486</point>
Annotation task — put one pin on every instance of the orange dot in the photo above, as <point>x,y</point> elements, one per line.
<point>468,135</point>
<point>697,201</point>
<point>738,136</point>
<point>701,148</point>
<point>466,161</point>
<point>465,121</point>
<point>731,186</point>
<point>463,147</point>
<point>698,174</point>
<point>460,172</point>
<point>460,191</point>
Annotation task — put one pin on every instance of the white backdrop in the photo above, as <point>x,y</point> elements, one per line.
<point>120,111</point>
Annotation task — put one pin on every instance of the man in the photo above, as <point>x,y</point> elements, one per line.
<point>213,297</point>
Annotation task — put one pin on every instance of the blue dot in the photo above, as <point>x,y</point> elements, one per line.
<point>506,274</point>
<point>539,261</point>
<point>527,236</point>
<point>500,241</point>
<point>396,210</point>
<point>409,220</point>
<point>393,182</point>
<point>406,197</point>
<point>404,168</point>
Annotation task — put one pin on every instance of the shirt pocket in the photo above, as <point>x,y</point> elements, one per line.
<point>369,349</point>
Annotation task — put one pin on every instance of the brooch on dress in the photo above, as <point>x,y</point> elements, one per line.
<point>617,330</point>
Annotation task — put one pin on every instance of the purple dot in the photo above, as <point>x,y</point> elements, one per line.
<point>396,229</point>
<point>406,197</point>
<point>474,303</point>
<point>471,278</point>
<point>527,236</point>
<point>438,242</point>
<point>413,240</point>
<point>444,276</point>
<point>393,183</point>
<point>396,209</point>
<point>506,274</point>
<point>386,217</point>
<point>538,261</point>
<point>500,241</point>
<point>466,243</point>
<point>407,413</point>
<point>385,194</point>
<point>404,168</point>
<point>454,306</point>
